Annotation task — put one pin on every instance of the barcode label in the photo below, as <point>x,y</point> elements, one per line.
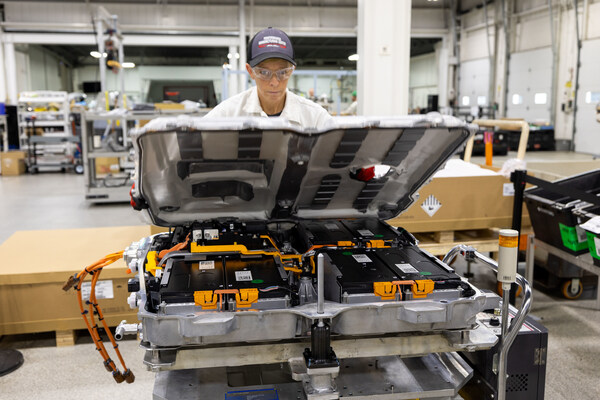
<point>243,275</point>
<point>407,268</point>
<point>361,258</point>
<point>206,265</point>
<point>508,189</point>
<point>104,290</point>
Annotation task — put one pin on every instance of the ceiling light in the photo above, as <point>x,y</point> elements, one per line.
<point>229,55</point>
<point>95,54</point>
<point>237,55</point>
<point>128,65</point>
<point>353,57</point>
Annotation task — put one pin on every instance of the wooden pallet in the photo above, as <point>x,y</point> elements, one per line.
<point>440,243</point>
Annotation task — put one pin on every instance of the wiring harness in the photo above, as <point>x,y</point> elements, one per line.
<point>76,281</point>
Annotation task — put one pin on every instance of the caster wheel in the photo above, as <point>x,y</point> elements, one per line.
<point>501,292</point>
<point>568,294</point>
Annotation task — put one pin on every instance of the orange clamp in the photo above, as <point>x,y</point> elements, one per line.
<point>206,299</point>
<point>376,244</point>
<point>385,290</point>
<point>246,297</point>
<point>422,288</point>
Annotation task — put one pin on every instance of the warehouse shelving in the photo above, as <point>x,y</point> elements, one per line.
<point>54,146</point>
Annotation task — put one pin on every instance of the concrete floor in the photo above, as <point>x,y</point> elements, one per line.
<point>48,201</point>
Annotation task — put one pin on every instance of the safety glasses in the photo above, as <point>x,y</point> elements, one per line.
<point>266,74</point>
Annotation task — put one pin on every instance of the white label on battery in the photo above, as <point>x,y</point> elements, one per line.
<point>361,258</point>
<point>581,235</point>
<point>206,264</point>
<point>104,290</point>
<point>332,227</point>
<point>597,243</point>
<point>196,235</point>
<point>508,189</point>
<point>365,232</point>
<point>431,205</point>
<point>593,225</point>
<point>211,234</point>
<point>243,275</point>
<point>407,268</point>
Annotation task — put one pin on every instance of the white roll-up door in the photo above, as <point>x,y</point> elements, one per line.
<point>474,83</point>
<point>530,85</point>
<point>587,135</point>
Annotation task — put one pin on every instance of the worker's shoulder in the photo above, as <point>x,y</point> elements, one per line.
<point>230,105</point>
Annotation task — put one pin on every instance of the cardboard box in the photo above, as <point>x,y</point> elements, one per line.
<point>36,264</point>
<point>106,165</point>
<point>169,106</point>
<point>461,203</point>
<point>13,163</point>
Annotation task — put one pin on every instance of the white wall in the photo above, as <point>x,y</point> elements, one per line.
<point>23,80</point>
<point>44,70</point>
<point>533,32</point>
<point>37,69</point>
<point>423,79</point>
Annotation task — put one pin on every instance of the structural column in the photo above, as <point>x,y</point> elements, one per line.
<point>242,61</point>
<point>384,56</point>
<point>2,70</point>
<point>234,65</point>
<point>10,65</point>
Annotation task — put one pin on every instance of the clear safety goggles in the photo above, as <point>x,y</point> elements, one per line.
<point>266,74</point>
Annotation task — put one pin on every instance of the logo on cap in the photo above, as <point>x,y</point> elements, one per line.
<point>272,41</point>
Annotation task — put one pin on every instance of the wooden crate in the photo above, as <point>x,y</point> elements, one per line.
<point>35,265</point>
<point>439,243</point>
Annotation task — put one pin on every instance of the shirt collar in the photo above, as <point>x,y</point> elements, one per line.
<point>290,108</point>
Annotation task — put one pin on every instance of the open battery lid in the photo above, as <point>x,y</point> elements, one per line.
<point>191,168</point>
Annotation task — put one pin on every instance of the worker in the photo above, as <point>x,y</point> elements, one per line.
<point>351,110</point>
<point>270,64</point>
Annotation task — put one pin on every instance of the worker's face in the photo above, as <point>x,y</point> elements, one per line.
<point>271,90</point>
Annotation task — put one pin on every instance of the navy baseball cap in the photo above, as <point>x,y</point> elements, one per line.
<point>270,43</point>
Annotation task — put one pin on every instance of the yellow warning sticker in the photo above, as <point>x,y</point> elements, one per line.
<point>508,241</point>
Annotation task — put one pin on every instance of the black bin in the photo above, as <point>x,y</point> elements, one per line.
<point>552,214</point>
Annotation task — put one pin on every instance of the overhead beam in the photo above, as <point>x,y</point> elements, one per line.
<point>128,40</point>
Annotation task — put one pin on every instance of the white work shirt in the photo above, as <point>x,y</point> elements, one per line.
<point>297,110</point>
<point>351,110</point>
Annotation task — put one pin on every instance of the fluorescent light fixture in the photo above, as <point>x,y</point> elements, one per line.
<point>353,57</point>
<point>95,54</point>
<point>466,100</point>
<point>128,65</point>
<point>481,100</point>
